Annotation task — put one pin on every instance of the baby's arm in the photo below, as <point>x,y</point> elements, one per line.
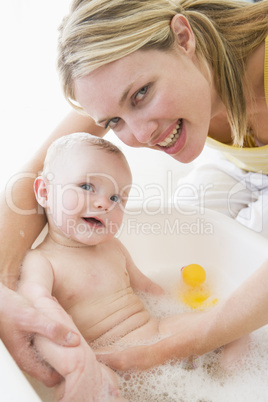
<point>36,277</point>
<point>36,284</point>
<point>138,280</point>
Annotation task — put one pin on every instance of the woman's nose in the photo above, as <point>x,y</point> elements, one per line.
<point>142,130</point>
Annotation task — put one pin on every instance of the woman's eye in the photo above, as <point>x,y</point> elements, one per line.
<point>141,93</point>
<point>115,198</point>
<point>87,187</point>
<point>112,122</point>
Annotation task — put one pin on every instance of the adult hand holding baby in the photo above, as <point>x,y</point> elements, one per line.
<point>19,321</point>
<point>183,344</point>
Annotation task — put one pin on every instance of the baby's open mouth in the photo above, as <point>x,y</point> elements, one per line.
<point>93,221</point>
<point>172,138</point>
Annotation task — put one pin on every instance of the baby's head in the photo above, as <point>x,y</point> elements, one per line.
<point>60,148</point>
<point>84,188</point>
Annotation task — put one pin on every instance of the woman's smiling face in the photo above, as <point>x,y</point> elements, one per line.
<point>151,98</point>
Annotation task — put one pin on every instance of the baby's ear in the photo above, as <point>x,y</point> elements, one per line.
<point>41,191</point>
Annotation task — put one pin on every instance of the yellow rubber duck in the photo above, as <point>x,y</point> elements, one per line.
<point>195,293</point>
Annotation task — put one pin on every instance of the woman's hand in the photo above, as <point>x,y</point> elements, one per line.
<point>19,321</point>
<point>135,358</point>
<point>147,356</point>
<point>186,339</point>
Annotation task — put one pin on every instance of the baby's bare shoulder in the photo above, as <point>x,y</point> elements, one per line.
<point>115,242</point>
<point>35,258</point>
<point>34,255</point>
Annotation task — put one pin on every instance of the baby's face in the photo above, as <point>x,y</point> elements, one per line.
<point>88,194</point>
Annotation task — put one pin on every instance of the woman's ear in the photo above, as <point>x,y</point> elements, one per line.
<point>184,36</point>
<point>41,191</point>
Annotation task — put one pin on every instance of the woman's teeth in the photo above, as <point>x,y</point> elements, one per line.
<point>172,138</point>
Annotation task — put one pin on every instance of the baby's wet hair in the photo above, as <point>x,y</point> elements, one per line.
<point>69,141</point>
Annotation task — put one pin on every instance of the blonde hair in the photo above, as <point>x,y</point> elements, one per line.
<point>62,144</point>
<point>97,32</point>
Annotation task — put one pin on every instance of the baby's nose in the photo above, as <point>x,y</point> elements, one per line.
<point>102,202</point>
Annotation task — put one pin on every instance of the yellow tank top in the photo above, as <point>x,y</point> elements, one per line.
<point>253,159</point>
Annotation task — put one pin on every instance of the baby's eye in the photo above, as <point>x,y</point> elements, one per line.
<point>141,93</point>
<point>112,122</point>
<point>87,187</point>
<point>115,198</point>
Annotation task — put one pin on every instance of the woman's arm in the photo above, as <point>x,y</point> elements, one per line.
<point>241,313</point>
<point>21,219</point>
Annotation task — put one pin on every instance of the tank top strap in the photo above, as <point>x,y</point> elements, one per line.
<point>266,70</point>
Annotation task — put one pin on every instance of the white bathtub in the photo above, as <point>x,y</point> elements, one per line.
<point>169,238</point>
<point>160,244</point>
<point>14,387</point>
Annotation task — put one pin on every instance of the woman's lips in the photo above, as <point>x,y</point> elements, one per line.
<point>177,142</point>
<point>172,137</point>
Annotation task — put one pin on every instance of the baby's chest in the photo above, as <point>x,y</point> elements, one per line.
<point>90,278</point>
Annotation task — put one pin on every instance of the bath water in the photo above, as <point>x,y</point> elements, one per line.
<point>203,380</point>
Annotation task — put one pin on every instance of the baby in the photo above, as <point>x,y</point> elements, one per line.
<point>84,188</point>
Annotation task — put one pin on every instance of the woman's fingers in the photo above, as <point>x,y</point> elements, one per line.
<point>55,331</point>
<point>136,358</point>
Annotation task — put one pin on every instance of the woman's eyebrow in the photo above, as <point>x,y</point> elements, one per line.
<point>125,93</point>
<point>121,101</point>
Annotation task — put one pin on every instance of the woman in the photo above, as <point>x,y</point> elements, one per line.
<point>227,59</point>
<point>163,74</point>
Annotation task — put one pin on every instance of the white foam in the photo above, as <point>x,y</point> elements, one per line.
<point>204,380</point>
